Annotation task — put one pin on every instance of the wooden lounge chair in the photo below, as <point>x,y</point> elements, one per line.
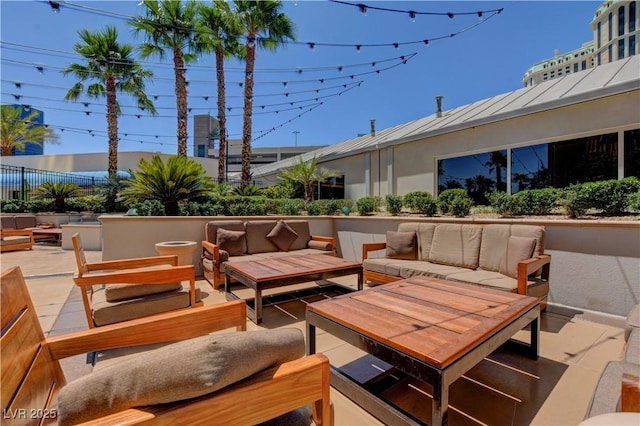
<point>16,239</point>
<point>32,376</point>
<point>121,290</point>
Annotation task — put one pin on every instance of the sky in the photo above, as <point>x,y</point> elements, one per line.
<point>303,96</point>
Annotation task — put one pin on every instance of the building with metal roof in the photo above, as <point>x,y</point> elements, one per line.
<point>582,126</point>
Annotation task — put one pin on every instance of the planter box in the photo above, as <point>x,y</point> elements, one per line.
<point>90,233</point>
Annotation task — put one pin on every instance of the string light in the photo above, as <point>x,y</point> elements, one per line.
<point>412,13</point>
<point>55,6</point>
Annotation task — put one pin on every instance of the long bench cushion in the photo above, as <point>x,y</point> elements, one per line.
<point>120,292</point>
<point>9,240</point>
<point>211,229</point>
<point>387,266</point>
<point>112,312</point>
<point>456,245</point>
<point>300,227</point>
<point>257,241</point>
<point>535,287</point>
<point>606,397</point>
<point>424,231</point>
<point>495,238</point>
<point>429,269</point>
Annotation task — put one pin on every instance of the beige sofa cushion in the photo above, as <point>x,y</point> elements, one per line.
<point>535,287</point>
<point>7,222</point>
<point>257,241</point>
<point>424,231</point>
<point>401,245</point>
<point>429,269</point>
<point>606,397</point>
<point>300,227</point>
<point>8,240</point>
<point>456,245</point>
<point>386,266</point>
<point>211,229</point>
<point>176,372</point>
<point>495,238</point>
<point>26,221</point>
<point>518,249</point>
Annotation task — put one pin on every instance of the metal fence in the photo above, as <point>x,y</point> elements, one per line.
<point>20,183</point>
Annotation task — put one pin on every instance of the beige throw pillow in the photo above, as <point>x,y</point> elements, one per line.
<point>282,235</point>
<point>518,249</point>
<point>401,245</point>
<point>233,242</point>
<point>176,372</point>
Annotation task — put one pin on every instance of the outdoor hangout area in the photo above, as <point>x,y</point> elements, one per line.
<point>316,320</point>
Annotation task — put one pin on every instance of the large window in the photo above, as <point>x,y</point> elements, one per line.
<point>530,168</point>
<point>632,16</point>
<point>621,21</point>
<point>621,49</point>
<point>632,153</point>
<point>610,22</point>
<point>632,45</point>
<point>477,173</point>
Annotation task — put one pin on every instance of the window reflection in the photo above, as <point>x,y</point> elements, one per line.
<point>632,153</point>
<point>529,168</point>
<point>479,174</point>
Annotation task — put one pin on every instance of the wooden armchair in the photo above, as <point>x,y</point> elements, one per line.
<point>121,290</point>
<point>16,239</point>
<point>32,376</point>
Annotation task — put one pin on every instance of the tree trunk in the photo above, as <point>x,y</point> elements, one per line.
<point>181,101</point>
<point>248,110</point>
<point>7,151</point>
<point>112,126</point>
<point>222,117</point>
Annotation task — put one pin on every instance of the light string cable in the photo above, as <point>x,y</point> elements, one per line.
<point>413,13</point>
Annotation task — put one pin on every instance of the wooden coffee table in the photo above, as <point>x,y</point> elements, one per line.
<point>430,329</point>
<point>282,271</point>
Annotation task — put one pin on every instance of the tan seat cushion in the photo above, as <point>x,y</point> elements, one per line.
<point>518,249</point>
<point>119,292</point>
<point>282,235</point>
<point>495,238</point>
<point>429,269</point>
<point>424,232</point>
<point>401,245</point>
<point>105,312</point>
<point>26,221</point>
<point>176,372</point>
<point>535,287</point>
<point>233,242</point>
<point>8,240</point>
<point>456,245</point>
<point>211,228</point>
<point>384,265</point>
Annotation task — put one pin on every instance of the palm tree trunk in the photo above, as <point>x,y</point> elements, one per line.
<point>112,125</point>
<point>181,101</point>
<point>6,150</point>
<point>248,110</point>
<point>222,117</point>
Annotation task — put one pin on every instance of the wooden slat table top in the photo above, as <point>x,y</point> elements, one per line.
<point>432,320</point>
<point>290,266</point>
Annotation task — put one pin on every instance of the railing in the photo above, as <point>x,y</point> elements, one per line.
<point>20,183</point>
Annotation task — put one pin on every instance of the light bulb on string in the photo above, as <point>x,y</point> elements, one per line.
<point>412,15</point>
<point>363,9</point>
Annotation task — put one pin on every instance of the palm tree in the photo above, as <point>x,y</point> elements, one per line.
<point>267,27</point>
<point>169,26</point>
<point>498,162</point>
<point>110,68</point>
<point>217,30</point>
<point>58,191</point>
<point>178,179</point>
<point>18,130</point>
<point>307,173</point>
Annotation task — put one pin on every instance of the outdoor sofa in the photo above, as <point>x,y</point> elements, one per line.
<point>237,240</point>
<point>41,231</point>
<point>502,256</point>
<point>16,239</point>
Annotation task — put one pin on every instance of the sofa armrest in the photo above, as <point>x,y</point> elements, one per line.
<point>133,263</point>
<point>17,232</point>
<point>630,396</point>
<point>529,266</point>
<point>367,247</point>
<point>212,249</point>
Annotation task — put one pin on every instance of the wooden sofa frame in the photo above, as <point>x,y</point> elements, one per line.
<point>216,277</point>
<point>32,376</point>
<point>127,271</point>
<point>17,246</point>
<point>525,268</point>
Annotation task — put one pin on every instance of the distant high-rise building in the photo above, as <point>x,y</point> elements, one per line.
<point>29,147</point>
<point>205,131</point>
<point>616,28</point>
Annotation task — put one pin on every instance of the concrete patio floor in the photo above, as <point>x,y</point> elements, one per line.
<point>505,389</point>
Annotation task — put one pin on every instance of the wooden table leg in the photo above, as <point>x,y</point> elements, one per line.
<point>258,305</point>
<point>440,404</point>
<point>311,339</point>
<point>360,279</point>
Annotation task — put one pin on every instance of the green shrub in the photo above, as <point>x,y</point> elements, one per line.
<point>149,208</point>
<point>348,203</point>
<point>314,208</point>
<point>633,201</point>
<point>575,200</point>
<point>537,201</point>
<point>504,204</point>
<point>394,204</point>
<point>13,206</point>
<point>247,206</point>
<point>421,202</point>
<point>378,202</point>
<point>290,207</point>
<point>454,197</point>
<point>333,206</point>
<point>247,190</point>
<point>38,206</point>
<point>279,190</point>
<point>366,205</point>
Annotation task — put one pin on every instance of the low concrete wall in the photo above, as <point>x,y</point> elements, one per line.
<point>595,267</point>
<point>90,235</point>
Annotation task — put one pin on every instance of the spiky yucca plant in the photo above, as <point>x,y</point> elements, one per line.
<point>58,191</point>
<point>179,179</point>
